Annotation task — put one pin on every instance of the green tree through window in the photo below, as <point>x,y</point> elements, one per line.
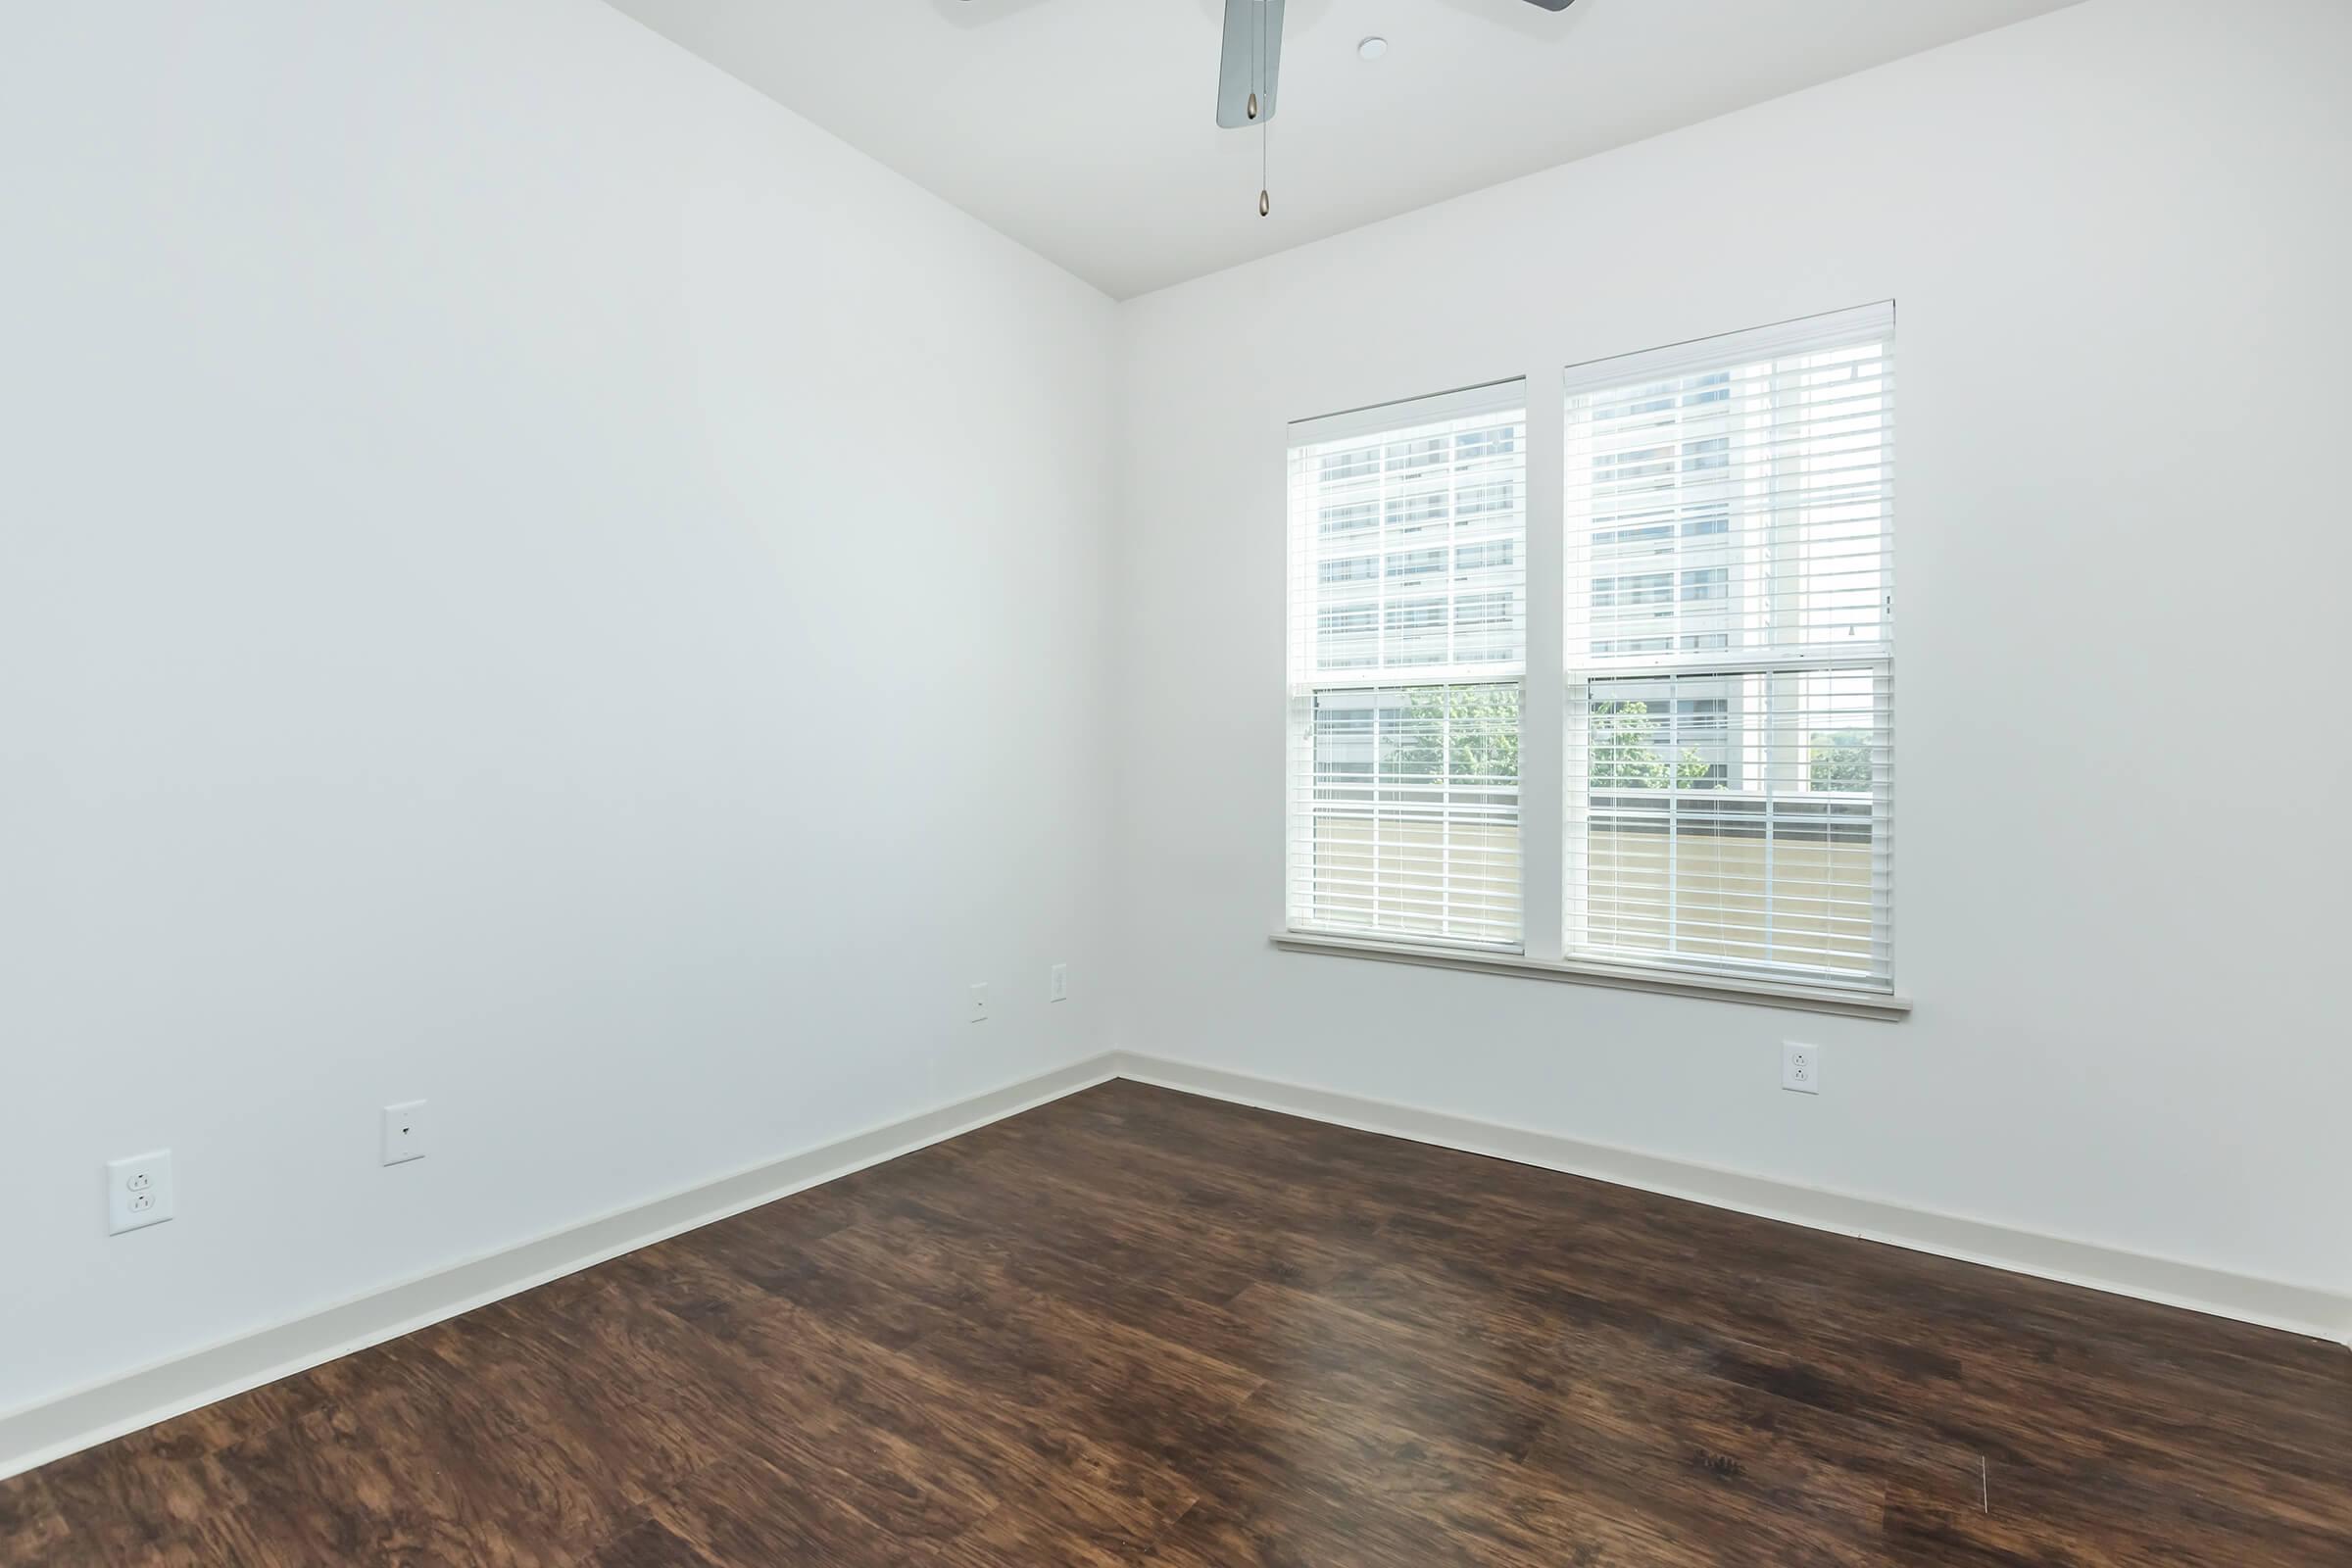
<point>1476,727</point>
<point>1840,760</point>
<point>1624,757</point>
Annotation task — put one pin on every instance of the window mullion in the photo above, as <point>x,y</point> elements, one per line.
<point>1543,693</point>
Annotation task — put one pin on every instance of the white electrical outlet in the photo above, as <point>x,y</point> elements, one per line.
<point>1800,1067</point>
<point>979,1012</point>
<point>1058,983</point>
<point>138,1191</point>
<point>404,1129</point>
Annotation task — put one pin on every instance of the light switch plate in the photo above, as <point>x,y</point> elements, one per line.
<point>138,1191</point>
<point>404,1132</point>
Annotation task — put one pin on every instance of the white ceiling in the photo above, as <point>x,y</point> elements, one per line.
<point>1086,129</point>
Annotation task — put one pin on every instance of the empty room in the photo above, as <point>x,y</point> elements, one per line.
<point>1174,783</point>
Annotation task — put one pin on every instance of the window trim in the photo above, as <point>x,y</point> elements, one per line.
<point>1839,1001</point>
<point>1546,681</point>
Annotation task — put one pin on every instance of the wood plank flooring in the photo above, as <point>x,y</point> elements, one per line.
<point>1135,1327</point>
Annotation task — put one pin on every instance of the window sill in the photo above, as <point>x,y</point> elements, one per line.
<point>1707,987</point>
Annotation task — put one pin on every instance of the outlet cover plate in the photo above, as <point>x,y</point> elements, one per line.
<point>138,1191</point>
<point>1800,1067</point>
<point>404,1130</point>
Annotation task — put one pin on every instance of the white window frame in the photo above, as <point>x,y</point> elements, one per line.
<point>1400,898</point>
<point>1555,701</point>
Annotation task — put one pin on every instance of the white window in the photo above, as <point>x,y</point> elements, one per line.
<point>1407,655</point>
<point>1730,647</point>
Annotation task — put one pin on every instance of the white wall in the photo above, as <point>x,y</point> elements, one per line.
<point>529,577</point>
<point>2119,237</point>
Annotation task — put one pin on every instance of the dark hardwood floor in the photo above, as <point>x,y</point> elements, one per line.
<point>1136,1327</point>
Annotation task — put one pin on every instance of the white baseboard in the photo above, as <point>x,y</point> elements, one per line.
<point>98,1412</point>
<point>2295,1308</point>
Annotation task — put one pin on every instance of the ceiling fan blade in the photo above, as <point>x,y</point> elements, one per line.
<point>1553,5</point>
<point>1253,62</point>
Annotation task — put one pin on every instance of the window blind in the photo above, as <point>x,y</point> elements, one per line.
<point>1406,662</point>
<point>1729,638</point>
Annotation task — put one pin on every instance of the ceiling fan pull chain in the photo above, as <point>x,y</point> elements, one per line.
<point>1265,128</point>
